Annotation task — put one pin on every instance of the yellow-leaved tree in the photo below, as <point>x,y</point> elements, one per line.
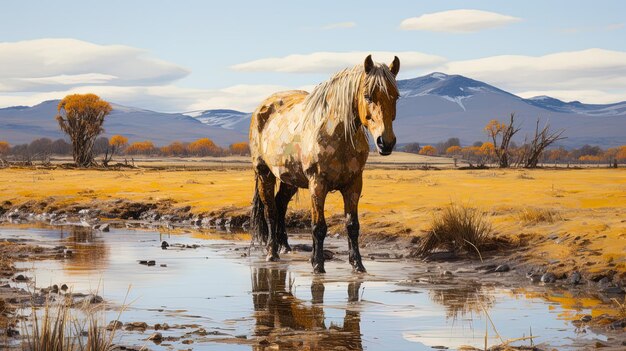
<point>428,150</point>
<point>81,116</point>
<point>204,147</point>
<point>239,149</point>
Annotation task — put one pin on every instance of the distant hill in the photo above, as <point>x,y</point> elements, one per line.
<point>438,106</point>
<point>22,124</point>
<point>432,108</point>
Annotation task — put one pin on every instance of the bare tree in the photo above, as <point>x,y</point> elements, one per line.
<point>81,117</point>
<point>542,139</point>
<point>501,136</point>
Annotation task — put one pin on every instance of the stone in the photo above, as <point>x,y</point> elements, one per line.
<point>136,326</point>
<point>21,278</point>
<point>574,278</point>
<point>165,245</point>
<point>613,290</point>
<point>115,324</point>
<point>105,227</point>
<point>586,318</point>
<point>302,247</point>
<point>156,337</point>
<point>502,268</point>
<point>328,255</point>
<point>548,278</point>
<point>94,299</point>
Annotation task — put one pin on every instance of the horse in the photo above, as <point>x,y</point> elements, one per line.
<point>319,141</point>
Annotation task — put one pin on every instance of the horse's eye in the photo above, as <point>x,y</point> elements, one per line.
<point>368,98</point>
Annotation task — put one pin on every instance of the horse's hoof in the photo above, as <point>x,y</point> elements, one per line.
<point>359,268</point>
<point>285,249</point>
<point>272,258</point>
<point>319,269</point>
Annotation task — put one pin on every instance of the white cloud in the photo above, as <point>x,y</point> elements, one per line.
<point>591,76</point>
<point>592,29</point>
<point>576,71</point>
<point>457,21</point>
<point>163,98</point>
<point>53,64</point>
<point>340,25</point>
<point>329,62</point>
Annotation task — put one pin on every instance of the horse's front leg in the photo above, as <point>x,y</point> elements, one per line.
<point>351,195</point>
<point>318,196</point>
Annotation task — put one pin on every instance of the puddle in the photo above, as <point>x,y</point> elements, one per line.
<point>244,303</point>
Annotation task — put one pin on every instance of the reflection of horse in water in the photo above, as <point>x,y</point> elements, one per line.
<point>285,321</point>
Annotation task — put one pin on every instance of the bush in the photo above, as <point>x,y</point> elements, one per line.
<point>457,228</point>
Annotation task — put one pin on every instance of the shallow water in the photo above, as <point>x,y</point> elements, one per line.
<point>252,305</point>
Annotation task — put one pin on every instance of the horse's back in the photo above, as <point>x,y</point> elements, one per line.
<point>276,103</point>
<point>274,140</point>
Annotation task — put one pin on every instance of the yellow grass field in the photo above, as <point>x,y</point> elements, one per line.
<point>574,218</point>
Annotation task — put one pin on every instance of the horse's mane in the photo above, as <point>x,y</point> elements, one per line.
<point>335,97</point>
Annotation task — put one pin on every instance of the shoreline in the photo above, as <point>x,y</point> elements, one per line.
<point>100,216</point>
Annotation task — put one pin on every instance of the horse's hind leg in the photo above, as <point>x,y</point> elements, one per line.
<point>267,182</point>
<point>351,195</point>
<point>284,195</point>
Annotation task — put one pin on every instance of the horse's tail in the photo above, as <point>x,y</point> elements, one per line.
<point>258,225</point>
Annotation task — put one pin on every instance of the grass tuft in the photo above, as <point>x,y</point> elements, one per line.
<point>58,330</point>
<point>539,215</point>
<point>458,228</point>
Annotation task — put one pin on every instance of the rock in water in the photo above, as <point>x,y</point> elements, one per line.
<point>502,268</point>
<point>574,278</point>
<point>114,325</point>
<point>156,337</point>
<point>548,278</point>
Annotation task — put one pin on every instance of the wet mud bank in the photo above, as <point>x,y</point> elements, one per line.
<point>379,240</point>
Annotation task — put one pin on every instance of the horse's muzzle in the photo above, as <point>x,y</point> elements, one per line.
<point>385,148</point>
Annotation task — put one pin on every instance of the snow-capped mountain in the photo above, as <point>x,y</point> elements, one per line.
<point>439,106</point>
<point>228,119</point>
<point>550,103</point>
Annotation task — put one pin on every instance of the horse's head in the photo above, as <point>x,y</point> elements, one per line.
<point>377,98</point>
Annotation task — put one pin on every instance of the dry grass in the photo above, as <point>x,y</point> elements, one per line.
<point>59,330</point>
<point>538,215</point>
<point>621,307</point>
<point>458,228</point>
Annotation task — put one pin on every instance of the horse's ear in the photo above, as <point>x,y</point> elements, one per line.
<point>395,66</point>
<point>368,64</point>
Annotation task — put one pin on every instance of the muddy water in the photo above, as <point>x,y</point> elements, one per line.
<point>243,303</point>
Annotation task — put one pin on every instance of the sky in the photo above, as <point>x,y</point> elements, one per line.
<point>176,56</point>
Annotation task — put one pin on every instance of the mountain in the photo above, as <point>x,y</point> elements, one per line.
<point>438,106</point>
<point>432,108</point>
<point>228,119</point>
<point>22,124</point>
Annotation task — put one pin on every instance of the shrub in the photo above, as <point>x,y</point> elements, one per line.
<point>457,228</point>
